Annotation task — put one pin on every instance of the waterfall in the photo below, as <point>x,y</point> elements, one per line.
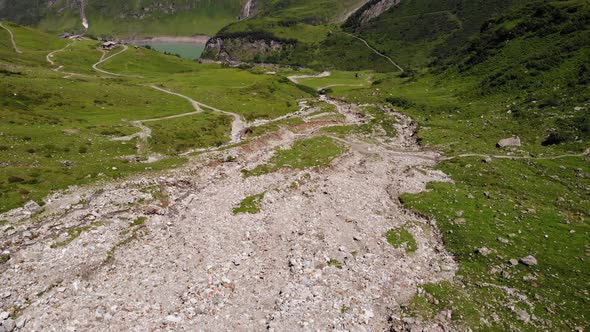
<point>83,16</point>
<point>247,10</point>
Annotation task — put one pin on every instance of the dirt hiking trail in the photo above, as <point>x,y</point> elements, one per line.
<point>11,38</point>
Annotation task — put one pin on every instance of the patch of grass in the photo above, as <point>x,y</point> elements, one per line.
<point>379,119</point>
<point>334,263</point>
<point>134,228</point>
<point>250,204</point>
<point>253,96</point>
<point>74,233</point>
<point>274,126</point>
<point>380,123</point>
<point>4,258</point>
<point>313,152</point>
<point>345,78</point>
<point>516,208</point>
<point>138,222</point>
<point>175,136</point>
<point>340,131</point>
<point>401,237</point>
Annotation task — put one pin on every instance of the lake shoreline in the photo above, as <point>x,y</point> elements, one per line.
<point>199,39</point>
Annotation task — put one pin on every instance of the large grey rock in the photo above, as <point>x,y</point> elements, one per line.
<point>33,207</point>
<point>21,322</point>
<point>512,141</point>
<point>529,260</point>
<point>484,251</point>
<point>9,325</point>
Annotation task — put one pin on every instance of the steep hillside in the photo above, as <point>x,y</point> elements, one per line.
<point>525,74</point>
<point>300,33</point>
<point>123,18</point>
<point>414,33</point>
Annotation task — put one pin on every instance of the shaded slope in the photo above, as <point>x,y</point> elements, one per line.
<point>417,31</point>
<point>123,18</point>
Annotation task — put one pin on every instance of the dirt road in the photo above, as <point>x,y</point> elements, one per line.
<point>105,58</point>
<point>11,38</point>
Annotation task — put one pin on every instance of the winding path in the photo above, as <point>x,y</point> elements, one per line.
<point>295,78</point>
<point>238,125</point>
<point>104,58</point>
<point>585,153</point>
<point>11,38</point>
<point>375,51</point>
<point>49,56</point>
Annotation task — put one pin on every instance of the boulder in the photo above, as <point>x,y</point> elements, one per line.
<point>529,260</point>
<point>512,141</point>
<point>33,207</point>
<point>484,251</point>
<point>9,325</point>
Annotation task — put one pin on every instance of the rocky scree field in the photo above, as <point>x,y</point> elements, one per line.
<point>513,218</point>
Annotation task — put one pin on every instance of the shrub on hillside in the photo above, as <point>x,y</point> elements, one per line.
<point>15,179</point>
<point>400,102</point>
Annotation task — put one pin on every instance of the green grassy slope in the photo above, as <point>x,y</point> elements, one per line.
<point>416,32</point>
<point>57,128</point>
<point>525,74</point>
<point>310,31</point>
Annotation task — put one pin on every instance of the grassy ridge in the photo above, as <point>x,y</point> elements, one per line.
<point>523,74</point>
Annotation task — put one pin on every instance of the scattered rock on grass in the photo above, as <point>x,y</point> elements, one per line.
<point>484,251</point>
<point>529,260</point>
<point>512,141</point>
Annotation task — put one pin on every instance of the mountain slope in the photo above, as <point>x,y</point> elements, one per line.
<point>417,31</point>
<point>122,18</point>
<point>413,32</point>
<point>525,73</point>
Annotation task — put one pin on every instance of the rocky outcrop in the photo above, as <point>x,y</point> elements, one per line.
<point>376,9</point>
<point>242,49</point>
<point>370,10</point>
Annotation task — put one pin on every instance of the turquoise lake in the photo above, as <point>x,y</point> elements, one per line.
<point>190,51</point>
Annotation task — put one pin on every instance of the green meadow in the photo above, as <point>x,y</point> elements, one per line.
<point>58,126</point>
